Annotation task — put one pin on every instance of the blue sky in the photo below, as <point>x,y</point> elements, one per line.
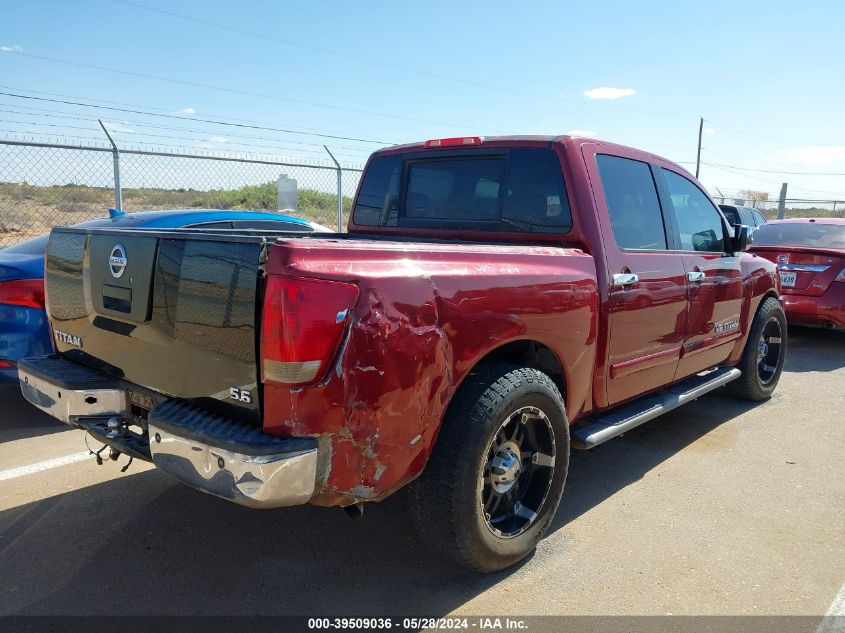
<point>769,77</point>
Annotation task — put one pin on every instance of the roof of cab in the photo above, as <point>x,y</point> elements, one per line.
<point>516,140</point>
<point>525,138</point>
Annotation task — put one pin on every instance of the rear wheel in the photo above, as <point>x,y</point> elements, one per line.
<point>764,355</point>
<point>497,472</point>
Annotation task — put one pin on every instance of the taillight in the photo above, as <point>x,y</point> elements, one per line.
<point>302,326</point>
<point>23,292</point>
<point>840,276</point>
<point>453,142</point>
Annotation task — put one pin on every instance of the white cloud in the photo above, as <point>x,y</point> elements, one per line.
<point>581,133</point>
<point>188,111</point>
<point>205,146</point>
<point>218,139</point>
<point>609,93</point>
<point>709,130</point>
<point>118,127</point>
<point>816,156</point>
<point>14,48</point>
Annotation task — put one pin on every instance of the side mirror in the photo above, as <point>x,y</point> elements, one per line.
<point>740,240</point>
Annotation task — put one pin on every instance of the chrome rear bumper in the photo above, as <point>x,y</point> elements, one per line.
<point>258,481</point>
<point>211,453</point>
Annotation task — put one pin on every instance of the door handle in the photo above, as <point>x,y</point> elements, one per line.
<point>696,276</point>
<point>625,279</point>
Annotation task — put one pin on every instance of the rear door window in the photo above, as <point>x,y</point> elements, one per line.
<point>699,223</point>
<point>632,202</point>
<point>493,190</point>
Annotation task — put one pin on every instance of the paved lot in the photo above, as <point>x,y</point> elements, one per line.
<point>719,508</point>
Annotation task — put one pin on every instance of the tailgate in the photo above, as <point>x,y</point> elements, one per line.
<point>172,311</point>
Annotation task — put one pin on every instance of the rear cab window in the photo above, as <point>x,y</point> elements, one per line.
<point>491,189</point>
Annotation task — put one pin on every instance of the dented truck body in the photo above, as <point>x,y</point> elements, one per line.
<point>426,315</point>
<point>277,368</point>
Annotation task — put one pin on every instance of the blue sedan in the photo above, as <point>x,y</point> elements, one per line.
<point>23,321</point>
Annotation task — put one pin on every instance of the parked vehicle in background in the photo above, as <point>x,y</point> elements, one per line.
<point>810,255</point>
<point>749,216</point>
<point>493,302</point>
<point>23,322</point>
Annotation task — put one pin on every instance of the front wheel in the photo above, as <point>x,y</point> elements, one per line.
<point>496,476</point>
<point>764,355</point>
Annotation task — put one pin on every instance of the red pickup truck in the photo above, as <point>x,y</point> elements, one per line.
<point>494,303</point>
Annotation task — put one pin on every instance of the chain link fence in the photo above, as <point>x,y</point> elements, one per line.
<point>793,207</point>
<point>45,185</point>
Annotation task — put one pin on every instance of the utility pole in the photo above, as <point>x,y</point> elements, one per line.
<point>782,202</point>
<point>698,155</point>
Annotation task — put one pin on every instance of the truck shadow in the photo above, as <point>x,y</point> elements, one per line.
<point>141,544</point>
<point>597,474</point>
<point>20,420</point>
<point>812,349</point>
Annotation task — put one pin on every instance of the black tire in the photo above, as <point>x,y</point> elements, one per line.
<point>449,501</point>
<point>764,354</point>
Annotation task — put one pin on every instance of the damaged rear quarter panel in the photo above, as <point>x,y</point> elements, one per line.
<point>426,315</point>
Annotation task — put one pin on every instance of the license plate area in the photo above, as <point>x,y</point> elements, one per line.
<point>787,280</point>
<point>141,402</point>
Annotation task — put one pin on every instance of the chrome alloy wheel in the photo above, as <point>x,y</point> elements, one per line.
<point>769,351</point>
<point>517,472</point>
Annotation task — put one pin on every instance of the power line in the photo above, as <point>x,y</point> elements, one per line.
<point>180,138</point>
<point>769,138</point>
<point>196,153</point>
<point>59,114</point>
<point>384,64</point>
<point>220,117</point>
<point>186,118</point>
<point>775,171</point>
<point>326,51</point>
<point>247,93</point>
<point>728,171</point>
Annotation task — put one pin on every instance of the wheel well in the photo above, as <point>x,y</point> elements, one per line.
<point>531,354</point>
<point>771,293</point>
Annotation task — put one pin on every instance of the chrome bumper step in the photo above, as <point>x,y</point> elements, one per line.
<point>68,391</point>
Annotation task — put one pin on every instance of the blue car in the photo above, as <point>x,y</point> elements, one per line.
<point>23,321</point>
